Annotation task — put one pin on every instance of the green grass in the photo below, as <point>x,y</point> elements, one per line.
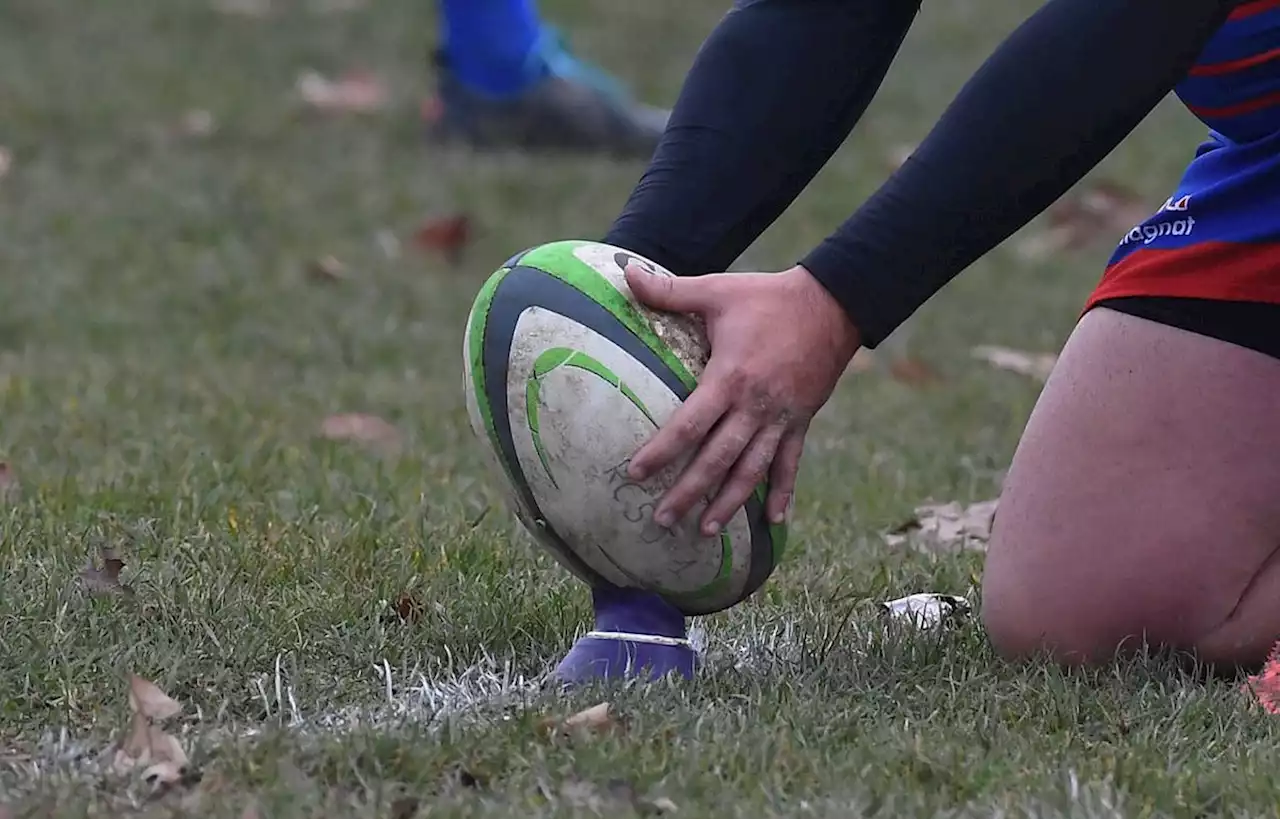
<point>165,362</point>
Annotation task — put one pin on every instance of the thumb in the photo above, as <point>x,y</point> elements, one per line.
<point>670,293</point>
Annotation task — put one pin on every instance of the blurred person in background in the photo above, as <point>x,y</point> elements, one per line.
<point>507,80</point>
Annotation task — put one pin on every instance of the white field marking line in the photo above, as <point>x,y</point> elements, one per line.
<point>484,690</point>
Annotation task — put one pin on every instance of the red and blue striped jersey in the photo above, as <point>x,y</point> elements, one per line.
<point>1234,87</point>
<point>1218,236</point>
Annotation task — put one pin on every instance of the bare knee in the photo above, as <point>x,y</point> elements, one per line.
<point>1020,627</point>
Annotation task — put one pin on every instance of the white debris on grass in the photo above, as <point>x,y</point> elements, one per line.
<point>926,610</point>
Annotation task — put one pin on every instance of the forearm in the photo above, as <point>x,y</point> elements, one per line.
<point>1046,108</point>
<point>774,91</point>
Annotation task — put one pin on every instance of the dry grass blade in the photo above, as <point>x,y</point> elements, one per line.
<point>1035,365</point>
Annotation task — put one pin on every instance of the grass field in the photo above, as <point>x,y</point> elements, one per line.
<point>167,359</point>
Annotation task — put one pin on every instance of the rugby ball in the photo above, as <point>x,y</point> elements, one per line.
<point>566,376</point>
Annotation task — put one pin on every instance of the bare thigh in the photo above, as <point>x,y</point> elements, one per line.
<point>1143,503</point>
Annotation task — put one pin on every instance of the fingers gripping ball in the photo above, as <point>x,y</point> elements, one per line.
<point>566,376</point>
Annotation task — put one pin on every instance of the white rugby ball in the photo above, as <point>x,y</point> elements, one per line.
<point>567,375</point>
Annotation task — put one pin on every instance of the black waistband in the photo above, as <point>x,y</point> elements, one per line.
<point>1251,324</point>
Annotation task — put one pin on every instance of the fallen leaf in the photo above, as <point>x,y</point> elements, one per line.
<point>407,608</point>
<point>404,807</point>
<point>446,235</point>
<point>105,579</point>
<point>243,8</point>
<point>660,805</point>
<point>326,269</point>
<point>947,527</point>
<point>913,371</point>
<point>164,773</point>
<point>147,745</point>
<point>361,428</point>
<point>6,161</point>
<point>864,361</point>
<point>356,92</point>
<point>1077,220</point>
<point>5,812</point>
<point>1036,365</point>
<point>595,718</point>
<point>1265,685</point>
<point>250,811</point>
<point>146,698</point>
<point>196,123</point>
<point>9,486</point>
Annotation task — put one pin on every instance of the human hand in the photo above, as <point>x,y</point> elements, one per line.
<point>779,344</point>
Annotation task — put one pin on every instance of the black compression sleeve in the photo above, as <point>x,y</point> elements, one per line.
<point>773,92</point>
<point>1047,107</point>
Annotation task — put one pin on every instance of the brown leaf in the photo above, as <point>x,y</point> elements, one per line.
<point>913,371</point>
<point>326,269</point>
<point>362,428</point>
<point>164,773</point>
<point>148,745</point>
<point>947,527</point>
<point>1084,216</point>
<point>595,718</point>
<point>864,361</point>
<point>407,608</point>
<point>356,92</point>
<point>5,812</point>
<point>405,807</point>
<point>446,235</point>
<point>9,486</point>
<point>1036,365</point>
<point>146,698</point>
<point>106,578</point>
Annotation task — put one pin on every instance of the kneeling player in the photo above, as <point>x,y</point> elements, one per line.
<point>1143,502</point>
